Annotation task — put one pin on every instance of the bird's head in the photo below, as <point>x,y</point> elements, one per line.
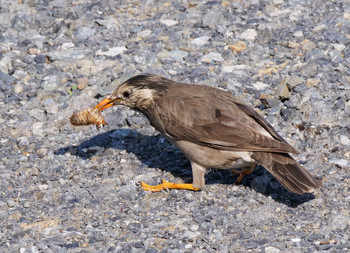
<point>138,92</point>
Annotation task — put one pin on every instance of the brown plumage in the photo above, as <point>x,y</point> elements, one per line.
<point>212,128</point>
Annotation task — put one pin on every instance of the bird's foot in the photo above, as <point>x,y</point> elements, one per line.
<point>167,185</point>
<point>242,173</point>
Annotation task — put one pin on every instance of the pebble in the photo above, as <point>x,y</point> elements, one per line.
<point>340,162</point>
<point>84,33</point>
<point>312,82</point>
<point>293,81</point>
<point>238,46</point>
<point>50,83</point>
<point>249,34</point>
<point>282,91</point>
<point>114,51</point>
<point>314,54</point>
<point>169,22</point>
<point>212,18</point>
<point>200,41</point>
<point>260,85</point>
<point>82,82</point>
<point>178,55</point>
<point>212,57</point>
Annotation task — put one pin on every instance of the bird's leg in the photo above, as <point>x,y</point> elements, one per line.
<point>167,185</point>
<point>245,171</point>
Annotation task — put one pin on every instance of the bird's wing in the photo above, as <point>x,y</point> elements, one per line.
<point>220,121</point>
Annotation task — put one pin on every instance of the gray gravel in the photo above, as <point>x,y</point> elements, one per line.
<point>75,189</point>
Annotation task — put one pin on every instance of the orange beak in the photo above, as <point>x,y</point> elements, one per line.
<point>105,103</point>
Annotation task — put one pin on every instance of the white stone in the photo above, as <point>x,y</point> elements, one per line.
<point>296,239</point>
<point>339,47</point>
<point>232,68</point>
<point>249,34</point>
<point>271,249</point>
<point>339,162</point>
<point>298,34</point>
<point>200,41</point>
<point>178,55</point>
<point>212,57</point>
<point>344,140</point>
<point>113,51</point>
<point>260,85</point>
<point>169,22</point>
<point>38,128</point>
<point>145,33</point>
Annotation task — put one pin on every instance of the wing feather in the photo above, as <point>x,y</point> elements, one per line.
<point>215,118</point>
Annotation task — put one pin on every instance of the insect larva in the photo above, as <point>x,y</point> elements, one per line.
<point>88,117</point>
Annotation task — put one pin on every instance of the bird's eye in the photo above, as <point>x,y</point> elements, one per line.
<point>126,94</point>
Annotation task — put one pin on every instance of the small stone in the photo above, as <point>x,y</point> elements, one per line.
<point>249,34</point>
<point>82,82</point>
<point>201,41</point>
<point>35,51</point>
<point>50,106</point>
<point>84,33</point>
<point>238,47</point>
<point>212,18</point>
<point>314,54</point>
<point>212,57</point>
<point>296,239</point>
<point>65,46</point>
<point>312,82</point>
<point>233,68</point>
<point>260,85</point>
<point>335,56</point>
<point>163,54</point>
<point>343,139</point>
<point>145,33</point>
<point>339,162</point>
<point>38,129</point>
<point>298,34</point>
<point>307,45</point>
<point>271,249</point>
<point>293,81</point>
<point>51,82</point>
<point>69,54</point>
<point>339,47</point>
<point>7,79</point>
<point>23,141</point>
<point>282,91</point>
<point>169,22</point>
<point>114,51</point>
<point>293,45</point>
<point>18,88</point>
<point>269,101</point>
<point>178,55</point>
<point>5,64</point>
<point>40,59</point>
<point>346,15</point>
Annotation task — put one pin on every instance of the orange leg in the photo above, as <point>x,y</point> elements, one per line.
<point>167,185</point>
<point>245,171</point>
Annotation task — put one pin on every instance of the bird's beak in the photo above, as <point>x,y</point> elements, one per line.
<point>105,103</point>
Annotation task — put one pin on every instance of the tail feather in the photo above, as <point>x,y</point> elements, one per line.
<point>288,172</point>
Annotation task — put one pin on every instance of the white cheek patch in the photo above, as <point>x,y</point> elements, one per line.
<point>145,94</point>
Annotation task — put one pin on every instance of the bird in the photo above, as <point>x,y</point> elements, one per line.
<point>214,129</point>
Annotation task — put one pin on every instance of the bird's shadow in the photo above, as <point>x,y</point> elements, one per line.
<point>156,152</point>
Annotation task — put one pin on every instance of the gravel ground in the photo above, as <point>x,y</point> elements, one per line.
<point>76,189</point>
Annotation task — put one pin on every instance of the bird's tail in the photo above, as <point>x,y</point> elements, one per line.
<point>288,171</point>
